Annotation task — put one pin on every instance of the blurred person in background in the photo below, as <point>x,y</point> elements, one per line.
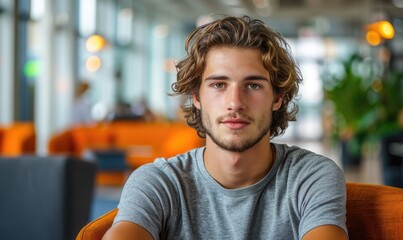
<point>141,109</point>
<point>137,111</point>
<point>82,106</point>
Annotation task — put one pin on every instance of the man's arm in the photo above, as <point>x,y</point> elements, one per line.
<point>326,232</point>
<point>126,231</point>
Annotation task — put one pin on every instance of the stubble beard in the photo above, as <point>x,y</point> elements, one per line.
<point>241,145</point>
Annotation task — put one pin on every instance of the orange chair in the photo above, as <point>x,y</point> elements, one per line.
<point>77,139</point>
<point>18,138</point>
<point>172,139</point>
<point>96,229</point>
<point>91,137</point>
<point>62,143</point>
<point>2,129</point>
<point>374,212</point>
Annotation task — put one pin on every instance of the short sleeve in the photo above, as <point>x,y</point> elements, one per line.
<point>321,195</point>
<point>145,199</point>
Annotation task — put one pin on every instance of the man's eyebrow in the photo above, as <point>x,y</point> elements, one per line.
<point>217,77</point>
<point>256,77</point>
<point>250,77</point>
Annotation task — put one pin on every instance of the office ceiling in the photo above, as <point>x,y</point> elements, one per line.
<point>328,17</point>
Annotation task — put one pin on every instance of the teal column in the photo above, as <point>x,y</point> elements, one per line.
<point>45,82</point>
<point>7,61</point>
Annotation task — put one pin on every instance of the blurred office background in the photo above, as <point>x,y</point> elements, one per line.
<point>124,51</point>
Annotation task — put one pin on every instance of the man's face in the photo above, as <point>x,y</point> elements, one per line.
<point>236,98</point>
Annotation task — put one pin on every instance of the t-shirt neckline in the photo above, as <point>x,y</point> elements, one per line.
<point>239,192</point>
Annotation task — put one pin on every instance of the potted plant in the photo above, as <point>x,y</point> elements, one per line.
<point>355,108</point>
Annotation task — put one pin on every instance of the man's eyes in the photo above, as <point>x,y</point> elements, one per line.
<point>253,86</point>
<point>250,86</point>
<point>218,85</point>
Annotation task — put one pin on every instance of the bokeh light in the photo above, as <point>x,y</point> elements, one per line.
<point>385,29</point>
<point>93,63</point>
<point>373,38</point>
<point>32,68</point>
<point>95,43</point>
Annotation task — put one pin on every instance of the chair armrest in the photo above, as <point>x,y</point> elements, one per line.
<point>96,229</point>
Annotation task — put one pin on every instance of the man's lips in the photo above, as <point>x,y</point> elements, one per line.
<point>235,123</point>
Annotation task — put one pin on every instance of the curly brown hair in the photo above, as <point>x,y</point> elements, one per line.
<point>242,32</point>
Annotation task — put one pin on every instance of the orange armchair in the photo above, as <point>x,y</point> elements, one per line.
<point>374,212</point>
<point>96,229</point>
<point>18,138</point>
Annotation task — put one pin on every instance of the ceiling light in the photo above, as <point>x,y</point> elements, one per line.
<point>384,28</point>
<point>373,38</point>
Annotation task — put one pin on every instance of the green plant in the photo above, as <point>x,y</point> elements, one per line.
<point>355,109</point>
<point>366,107</point>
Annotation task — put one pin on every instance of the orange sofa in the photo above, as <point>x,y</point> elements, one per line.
<point>17,138</point>
<point>142,142</point>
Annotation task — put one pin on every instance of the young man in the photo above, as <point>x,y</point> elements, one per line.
<point>241,81</point>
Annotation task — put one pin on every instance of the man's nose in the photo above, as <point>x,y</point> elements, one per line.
<point>235,99</point>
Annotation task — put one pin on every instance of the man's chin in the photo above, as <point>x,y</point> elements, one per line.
<point>234,145</point>
<point>234,142</point>
<point>236,148</point>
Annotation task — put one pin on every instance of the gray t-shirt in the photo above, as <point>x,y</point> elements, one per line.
<point>176,198</point>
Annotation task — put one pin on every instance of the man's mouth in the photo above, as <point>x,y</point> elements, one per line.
<point>235,123</point>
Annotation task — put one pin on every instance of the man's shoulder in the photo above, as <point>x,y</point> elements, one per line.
<point>297,155</point>
<point>182,161</point>
<point>296,161</point>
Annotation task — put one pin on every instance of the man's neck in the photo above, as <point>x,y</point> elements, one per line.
<point>238,169</point>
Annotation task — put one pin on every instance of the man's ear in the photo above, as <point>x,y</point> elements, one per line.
<point>278,102</point>
<point>196,101</point>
